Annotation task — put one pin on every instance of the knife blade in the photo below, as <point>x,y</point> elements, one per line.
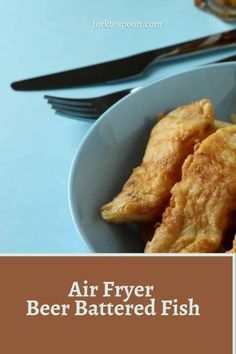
<point>125,67</point>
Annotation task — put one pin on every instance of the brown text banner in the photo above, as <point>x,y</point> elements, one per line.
<point>116,304</point>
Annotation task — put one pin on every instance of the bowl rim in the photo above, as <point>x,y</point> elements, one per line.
<point>79,229</point>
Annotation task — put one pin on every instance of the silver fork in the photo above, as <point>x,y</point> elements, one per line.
<point>92,108</point>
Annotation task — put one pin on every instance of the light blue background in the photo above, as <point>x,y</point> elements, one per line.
<point>36,146</point>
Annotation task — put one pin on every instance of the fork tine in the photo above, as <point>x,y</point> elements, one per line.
<point>69,101</point>
<point>77,115</point>
<point>79,109</point>
<point>88,108</point>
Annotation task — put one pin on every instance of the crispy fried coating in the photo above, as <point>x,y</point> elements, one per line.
<point>221,124</point>
<point>203,201</point>
<point>147,191</point>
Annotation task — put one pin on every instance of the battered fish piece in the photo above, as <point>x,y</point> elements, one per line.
<point>147,191</point>
<point>203,201</point>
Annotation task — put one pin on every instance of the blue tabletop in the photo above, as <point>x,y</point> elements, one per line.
<point>37,146</point>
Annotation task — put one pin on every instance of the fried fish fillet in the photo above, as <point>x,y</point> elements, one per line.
<point>147,191</point>
<point>203,201</point>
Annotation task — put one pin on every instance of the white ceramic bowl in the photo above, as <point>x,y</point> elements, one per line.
<point>115,145</point>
